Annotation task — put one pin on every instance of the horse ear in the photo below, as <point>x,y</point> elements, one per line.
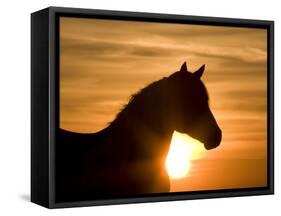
<point>183,67</point>
<point>199,72</point>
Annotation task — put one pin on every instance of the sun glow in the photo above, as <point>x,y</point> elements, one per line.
<point>182,150</point>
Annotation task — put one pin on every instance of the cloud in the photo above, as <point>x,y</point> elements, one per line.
<point>106,64</point>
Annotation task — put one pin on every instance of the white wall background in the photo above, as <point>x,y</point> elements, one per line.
<point>15,107</point>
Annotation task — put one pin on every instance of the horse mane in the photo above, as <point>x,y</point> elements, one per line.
<point>134,99</point>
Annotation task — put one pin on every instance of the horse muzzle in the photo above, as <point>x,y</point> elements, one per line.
<point>213,141</point>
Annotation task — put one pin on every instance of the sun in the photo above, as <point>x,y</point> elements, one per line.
<point>183,149</point>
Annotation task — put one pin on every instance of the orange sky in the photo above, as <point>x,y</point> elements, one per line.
<point>103,62</point>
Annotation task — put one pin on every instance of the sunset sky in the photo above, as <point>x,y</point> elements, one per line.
<point>103,62</point>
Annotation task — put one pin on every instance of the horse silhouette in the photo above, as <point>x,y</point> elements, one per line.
<point>127,157</point>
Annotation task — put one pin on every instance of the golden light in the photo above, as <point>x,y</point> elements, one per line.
<point>183,149</point>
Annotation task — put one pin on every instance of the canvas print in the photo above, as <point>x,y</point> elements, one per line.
<point>150,108</point>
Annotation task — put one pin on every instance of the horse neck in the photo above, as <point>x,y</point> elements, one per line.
<point>150,113</point>
<point>146,128</point>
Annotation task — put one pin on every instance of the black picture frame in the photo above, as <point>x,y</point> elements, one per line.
<point>45,101</point>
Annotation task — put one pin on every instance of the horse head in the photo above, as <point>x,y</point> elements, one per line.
<point>189,109</point>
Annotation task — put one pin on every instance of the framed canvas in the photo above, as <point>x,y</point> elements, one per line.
<point>133,107</point>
